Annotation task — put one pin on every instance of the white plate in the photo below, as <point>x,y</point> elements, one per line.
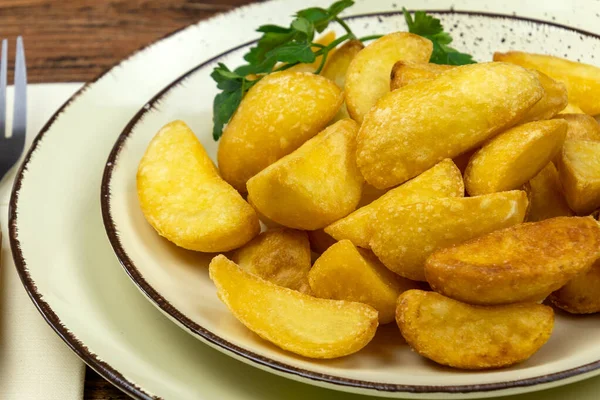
<point>66,263</point>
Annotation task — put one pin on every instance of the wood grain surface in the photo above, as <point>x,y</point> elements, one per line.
<point>75,40</point>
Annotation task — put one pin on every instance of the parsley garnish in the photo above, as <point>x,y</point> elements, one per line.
<point>280,48</point>
<point>432,29</point>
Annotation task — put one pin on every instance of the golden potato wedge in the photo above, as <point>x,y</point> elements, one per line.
<point>582,80</point>
<point>581,295</point>
<point>521,263</point>
<point>581,127</point>
<point>339,61</point>
<point>405,235</point>
<point>571,109</point>
<point>280,256</point>
<point>344,272</point>
<point>443,180</point>
<point>512,158</point>
<point>546,196</point>
<point>407,72</point>
<point>185,200</point>
<point>399,138</point>
<point>319,240</point>
<point>579,171</point>
<point>472,337</point>
<point>336,67</point>
<point>294,321</point>
<point>317,184</point>
<point>368,76</point>
<point>553,101</point>
<point>275,117</point>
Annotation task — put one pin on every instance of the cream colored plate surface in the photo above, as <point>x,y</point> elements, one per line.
<point>63,255</point>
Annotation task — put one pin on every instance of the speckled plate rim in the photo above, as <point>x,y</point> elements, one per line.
<point>251,357</point>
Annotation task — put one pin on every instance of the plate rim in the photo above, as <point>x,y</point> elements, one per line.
<point>248,356</point>
<point>78,347</point>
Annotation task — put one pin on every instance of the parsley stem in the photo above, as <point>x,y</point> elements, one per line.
<point>319,45</point>
<point>334,44</point>
<point>345,26</point>
<point>371,37</point>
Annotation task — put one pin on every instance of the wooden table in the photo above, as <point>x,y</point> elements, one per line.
<point>75,40</point>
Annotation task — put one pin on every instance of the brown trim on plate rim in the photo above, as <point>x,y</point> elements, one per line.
<point>110,373</point>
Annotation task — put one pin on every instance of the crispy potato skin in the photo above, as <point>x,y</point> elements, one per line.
<point>185,200</point>
<point>442,180</point>
<point>302,324</point>
<point>581,295</point>
<point>546,196</point>
<point>408,72</point>
<point>338,63</point>
<point>581,127</point>
<point>579,170</point>
<point>295,192</point>
<point>521,263</point>
<point>512,158</point>
<point>405,235</point>
<point>554,100</point>
<point>368,76</point>
<point>472,337</point>
<point>344,272</point>
<point>399,139</point>
<point>280,256</point>
<point>582,80</point>
<point>276,116</point>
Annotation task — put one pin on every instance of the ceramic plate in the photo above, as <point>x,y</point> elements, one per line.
<point>68,268</point>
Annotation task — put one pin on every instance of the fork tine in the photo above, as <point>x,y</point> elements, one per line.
<point>20,107</point>
<point>3,68</point>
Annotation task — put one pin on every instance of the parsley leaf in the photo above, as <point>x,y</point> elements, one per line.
<point>431,28</point>
<point>282,47</point>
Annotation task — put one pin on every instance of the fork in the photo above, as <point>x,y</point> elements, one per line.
<point>11,147</point>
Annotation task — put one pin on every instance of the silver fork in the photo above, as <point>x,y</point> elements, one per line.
<point>11,147</point>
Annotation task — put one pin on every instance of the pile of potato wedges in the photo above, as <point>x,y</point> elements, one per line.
<point>455,201</point>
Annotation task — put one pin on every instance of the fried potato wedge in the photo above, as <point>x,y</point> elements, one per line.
<point>368,76</point>
<point>344,272</point>
<point>320,241</point>
<point>185,200</point>
<point>405,235</point>
<point>399,138</point>
<point>571,109</point>
<point>338,62</point>
<point>280,256</point>
<point>521,263</point>
<point>512,158</point>
<point>294,321</point>
<point>554,100</point>
<point>407,72</point>
<point>581,127</point>
<point>337,66</point>
<point>315,185</point>
<point>582,80</point>
<point>546,196</point>
<point>581,295</point>
<point>472,337</point>
<point>442,180</point>
<point>579,170</point>
<point>275,117</point>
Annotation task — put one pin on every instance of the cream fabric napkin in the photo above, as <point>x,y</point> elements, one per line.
<point>35,364</point>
